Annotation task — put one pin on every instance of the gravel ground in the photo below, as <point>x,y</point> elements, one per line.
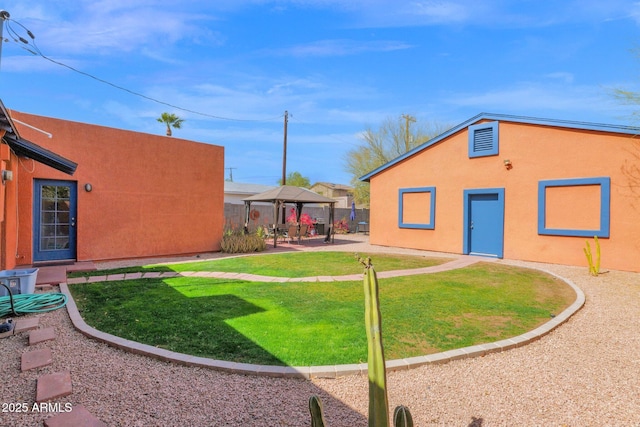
<point>584,373</point>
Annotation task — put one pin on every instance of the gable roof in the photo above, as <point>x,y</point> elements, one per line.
<point>246,189</point>
<point>333,186</point>
<point>631,130</point>
<point>289,193</point>
<point>25,148</point>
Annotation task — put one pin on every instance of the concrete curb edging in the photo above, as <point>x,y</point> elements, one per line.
<point>333,371</point>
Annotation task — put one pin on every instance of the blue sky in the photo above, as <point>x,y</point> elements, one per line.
<point>337,67</point>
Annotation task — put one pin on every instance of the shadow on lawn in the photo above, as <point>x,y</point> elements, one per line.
<point>229,343</point>
<point>157,298</point>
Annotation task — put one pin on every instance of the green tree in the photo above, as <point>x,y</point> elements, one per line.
<point>393,138</point>
<point>171,120</point>
<point>296,179</point>
<point>629,98</point>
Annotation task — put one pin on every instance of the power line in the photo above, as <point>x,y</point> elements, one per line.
<point>21,41</point>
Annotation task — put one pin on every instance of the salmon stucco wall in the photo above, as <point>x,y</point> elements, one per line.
<point>537,153</point>
<point>8,211</point>
<point>151,195</point>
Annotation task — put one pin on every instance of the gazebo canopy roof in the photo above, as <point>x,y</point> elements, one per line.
<point>289,194</point>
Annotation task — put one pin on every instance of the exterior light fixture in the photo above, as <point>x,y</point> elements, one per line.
<point>88,187</point>
<point>507,164</point>
<point>7,176</point>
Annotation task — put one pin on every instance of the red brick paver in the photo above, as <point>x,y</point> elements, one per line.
<point>36,359</point>
<point>40,335</point>
<point>24,324</point>
<point>53,386</point>
<point>78,417</point>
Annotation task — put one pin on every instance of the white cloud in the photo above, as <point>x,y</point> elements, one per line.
<point>112,27</point>
<point>588,103</point>
<point>340,47</point>
<point>561,76</point>
<point>439,11</point>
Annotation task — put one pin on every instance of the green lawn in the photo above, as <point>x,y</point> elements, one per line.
<point>319,323</point>
<point>306,264</point>
<point>300,264</point>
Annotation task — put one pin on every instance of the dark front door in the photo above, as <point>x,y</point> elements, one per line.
<point>54,220</point>
<point>484,222</point>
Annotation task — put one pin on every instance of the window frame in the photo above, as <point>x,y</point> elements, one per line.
<point>605,207</point>
<point>432,213</point>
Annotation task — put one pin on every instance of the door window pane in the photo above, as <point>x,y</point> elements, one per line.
<point>55,218</point>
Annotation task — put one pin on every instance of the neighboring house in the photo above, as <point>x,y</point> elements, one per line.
<point>342,194</point>
<point>236,192</point>
<point>515,187</point>
<point>123,194</point>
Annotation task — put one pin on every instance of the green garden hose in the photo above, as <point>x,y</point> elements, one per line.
<point>31,303</point>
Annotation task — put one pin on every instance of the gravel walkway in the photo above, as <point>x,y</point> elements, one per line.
<point>584,373</point>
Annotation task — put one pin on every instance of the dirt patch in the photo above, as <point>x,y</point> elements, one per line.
<point>557,291</point>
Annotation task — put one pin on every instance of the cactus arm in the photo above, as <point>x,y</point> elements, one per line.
<point>587,252</point>
<point>402,417</point>
<point>597,266</point>
<point>594,268</point>
<point>378,401</point>
<point>315,408</point>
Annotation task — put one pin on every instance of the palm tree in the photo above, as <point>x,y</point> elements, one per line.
<point>170,120</point>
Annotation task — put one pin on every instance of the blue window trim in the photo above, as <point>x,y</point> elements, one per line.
<point>466,235</point>
<point>605,209</point>
<point>432,213</point>
<point>494,144</point>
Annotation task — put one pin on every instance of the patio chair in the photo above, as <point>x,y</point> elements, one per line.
<point>304,228</point>
<point>268,232</point>
<point>291,233</point>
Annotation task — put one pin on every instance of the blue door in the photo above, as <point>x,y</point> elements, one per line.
<point>54,220</point>
<point>484,222</point>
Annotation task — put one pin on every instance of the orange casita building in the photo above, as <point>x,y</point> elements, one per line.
<point>517,188</point>
<point>79,192</point>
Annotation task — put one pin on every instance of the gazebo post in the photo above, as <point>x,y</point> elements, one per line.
<point>330,237</point>
<point>275,223</point>
<point>247,209</point>
<point>298,216</point>
<point>333,218</point>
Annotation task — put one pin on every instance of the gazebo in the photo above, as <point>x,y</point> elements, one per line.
<point>289,194</point>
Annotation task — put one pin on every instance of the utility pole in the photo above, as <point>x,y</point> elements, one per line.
<point>284,162</point>
<point>4,15</point>
<point>407,139</point>
<point>231,174</point>
<point>284,154</point>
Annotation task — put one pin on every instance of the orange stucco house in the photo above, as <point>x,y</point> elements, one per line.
<point>81,192</point>
<point>517,188</point>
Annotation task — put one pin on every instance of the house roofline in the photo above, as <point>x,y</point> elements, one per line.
<point>598,127</point>
<point>28,149</point>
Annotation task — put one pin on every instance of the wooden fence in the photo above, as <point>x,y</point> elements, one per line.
<point>234,215</point>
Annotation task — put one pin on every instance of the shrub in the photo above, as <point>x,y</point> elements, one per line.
<point>236,241</point>
<point>341,226</point>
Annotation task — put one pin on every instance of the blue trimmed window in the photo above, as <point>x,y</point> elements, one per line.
<point>483,140</point>
<point>432,208</point>
<point>605,198</point>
